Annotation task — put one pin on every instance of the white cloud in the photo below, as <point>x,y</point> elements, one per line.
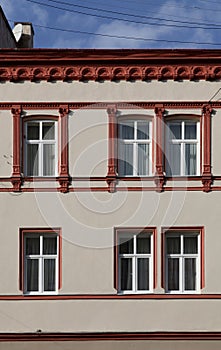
<point>168,10</point>
<point>39,15</point>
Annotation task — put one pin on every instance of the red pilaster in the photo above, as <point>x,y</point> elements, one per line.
<point>63,149</point>
<point>206,170</point>
<point>16,179</point>
<point>111,177</point>
<point>159,174</point>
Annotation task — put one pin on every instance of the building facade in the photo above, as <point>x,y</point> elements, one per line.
<point>110,180</point>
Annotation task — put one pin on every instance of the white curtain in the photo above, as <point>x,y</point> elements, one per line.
<point>143,274</point>
<point>48,160</point>
<point>143,159</point>
<point>49,274</point>
<point>32,160</point>
<point>126,273</point>
<point>32,275</point>
<point>190,158</point>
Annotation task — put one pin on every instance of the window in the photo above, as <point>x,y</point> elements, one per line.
<point>41,148</point>
<point>183,262</point>
<point>135,263</point>
<point>40,262</point>
<point>135,148</point>
<point>183,148</point>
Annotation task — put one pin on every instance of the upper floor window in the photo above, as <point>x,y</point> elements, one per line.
<point>135,148</point>
<point>135,261</point>
<point>41,143</point>
<point>182,262</point>
<point>41,250</point>
<point>183,148</point>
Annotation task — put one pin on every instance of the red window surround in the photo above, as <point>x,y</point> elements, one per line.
<point>111,177</point>
<point>202,250</point>
<point>134,230</point>
<point>63,177</point>
<point>22,233</point>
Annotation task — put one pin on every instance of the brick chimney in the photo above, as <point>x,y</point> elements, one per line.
<point>24,34</point>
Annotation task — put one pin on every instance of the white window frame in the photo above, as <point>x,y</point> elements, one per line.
<point>135,141</point>
<point>40,142</point>
<point>134,256</point>
<point>182,256</point>
<point>183,142</point>
<point>40,257</point>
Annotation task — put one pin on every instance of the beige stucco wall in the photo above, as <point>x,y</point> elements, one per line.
<point>87,219</point>
<point>113,345</point>
<point>88,222</point>
<point>88,128</point>
<point>110,91</point>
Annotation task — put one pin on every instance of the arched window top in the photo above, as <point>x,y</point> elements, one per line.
<point>182,116</point>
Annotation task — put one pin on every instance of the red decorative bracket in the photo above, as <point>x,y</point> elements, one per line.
<point>111,177</point>
<point>206,173</point>
<point>64,179</point>
<point>16,178</point>
<point>159,175</point>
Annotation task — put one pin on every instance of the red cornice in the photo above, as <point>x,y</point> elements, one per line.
<point>152,296</point>
<point>104,105</point>
<point>110,336</point>
<point>100,64</point>
<point>39,336</point>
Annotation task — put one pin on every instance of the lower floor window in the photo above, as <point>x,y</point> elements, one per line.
<point>135,261</point>
<point>41,251</point>
<point>182,261</point>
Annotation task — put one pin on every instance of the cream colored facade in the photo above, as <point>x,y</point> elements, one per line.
<point>88,214</point>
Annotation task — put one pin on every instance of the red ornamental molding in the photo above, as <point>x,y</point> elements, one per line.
<point>109,72</point>
<point>206,171</point>
<point>90,64</point>
<point>16,178</point>
<point>111,177</point>
<point>63,171</point>
<point>159,174</point>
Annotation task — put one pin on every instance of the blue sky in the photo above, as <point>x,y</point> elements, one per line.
<point>165,22</point>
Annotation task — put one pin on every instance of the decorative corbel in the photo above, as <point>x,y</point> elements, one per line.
<point>111,177</point>
<point>206,171</point>
<point>64,179</point>
<point>159,173</point>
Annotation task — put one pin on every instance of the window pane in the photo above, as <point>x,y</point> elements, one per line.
<point>175,131</point>
<point>190,131</point>
<point>127,130</point>
<point>173,245</point>
<point>126,161</point>
<point>190,158</point>
<point>32,246</point>
<point>32,131</point>
<point>32,160</point>
<point>190,274</point>
<point>143,274</point>
<point>48,131</point>
<point>50,245</point>
<point>173,159</point>
<point>49,160</point>
<point>32,275</point>
<point>126,274</point>
<point>173,274</point>
<point>143,130</point>
<point>143,159</point>
<point>126,245</point>
<point>190,245</point>
<point>49,274</point>
<point>143,243</point>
